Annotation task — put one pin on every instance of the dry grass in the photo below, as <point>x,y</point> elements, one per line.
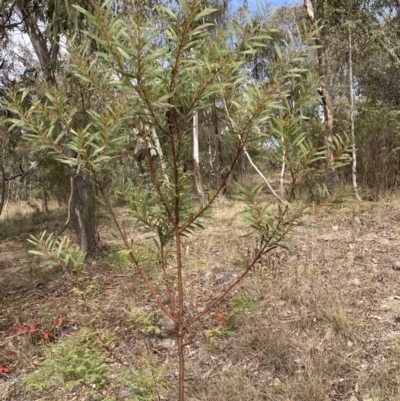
<point>318,323</point>
<point>19,219</point>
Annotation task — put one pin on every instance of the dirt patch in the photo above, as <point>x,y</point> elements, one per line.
<point>12,253</point>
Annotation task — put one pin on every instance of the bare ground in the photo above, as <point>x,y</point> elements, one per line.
<point>318,323</point>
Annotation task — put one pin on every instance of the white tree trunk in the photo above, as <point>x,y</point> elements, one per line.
<point>160,152</point>
<point>283,175</point>
<point>264,179</point>
<point>323,92</point>
<point>353,138</point>
<point>196,160</point>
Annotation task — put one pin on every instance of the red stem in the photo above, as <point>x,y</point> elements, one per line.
<point>128,248</point>
<point>167,287</point>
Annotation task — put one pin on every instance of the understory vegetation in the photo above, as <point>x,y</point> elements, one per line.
<point>316,323</point>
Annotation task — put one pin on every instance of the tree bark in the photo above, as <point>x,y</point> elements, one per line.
<point>396,181</point>
<point>38,41</point>
<point>282,176</point>
<point>219,175</point>
<point>196,161</point>
<point>3,187</point>
<point>45,203</point>
<point>353,137</point>
<point>84,213</point>
<point>160,153</point>
<point>324,93</point>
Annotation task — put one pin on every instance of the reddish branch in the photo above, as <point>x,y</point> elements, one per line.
<point>129,249</point>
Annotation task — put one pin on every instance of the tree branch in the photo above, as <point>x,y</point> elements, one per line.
<point>264,179</point>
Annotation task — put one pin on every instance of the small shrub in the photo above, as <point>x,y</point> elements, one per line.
<point>78,359</point>
<point>146,383</point>
<point>149,321</point>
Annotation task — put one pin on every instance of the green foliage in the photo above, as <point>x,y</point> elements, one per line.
<point>147,76</point>
<point>238,304</point>
<point>212,333</point>
<point>77,359</point>
<point>145,384</point>
<point>141,77</point>
<point>305,159</point>
<point>118,260</point>
<point>269,225</point>
<point>149,321</point>
<point>378,146</point>
<point>150,206</point>
<point>257,215</point>
<point>229,317</point>
<point>58,251</point>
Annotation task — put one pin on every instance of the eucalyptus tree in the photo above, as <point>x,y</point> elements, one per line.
<point>323,72</point>
<point>372,58</point>
<point>156,71</point>
<point>46,24</point>
<point>342,21</point>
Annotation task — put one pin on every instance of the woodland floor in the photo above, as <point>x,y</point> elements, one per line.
<point>320,322</point>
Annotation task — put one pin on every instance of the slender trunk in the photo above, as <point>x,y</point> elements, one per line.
<point>396,181</point>
<point>180,326</point>
<point>3,187</point>
<point>220,174</point>
<point>325,96</point>
<point>45,205</point>
<point>217,134</point>
<point>160,152</point>
<point>196,161</point>
<point>176,220</point>
<point>263,178</point>
<point>282,175</point>
<point>47,59</point>
<point>209,150</point>
<point>353,138</point>
<point>242,165</point>
<point>84,213</point>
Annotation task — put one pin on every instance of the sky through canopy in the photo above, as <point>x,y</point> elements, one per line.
<point>274,3</point>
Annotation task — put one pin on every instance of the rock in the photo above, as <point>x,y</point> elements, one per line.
<point>167,343</point>
<point>167,323</point>
<point>355,281</point>
<point>223,278</point>
<point>383,241</point>
<point>219,278</point>
<point>396,266</point>
<point>331,254</point>
<point>276,382</point>
<point>209,279</point>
